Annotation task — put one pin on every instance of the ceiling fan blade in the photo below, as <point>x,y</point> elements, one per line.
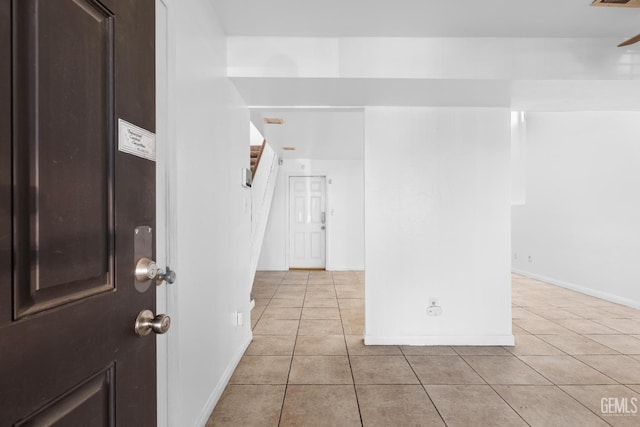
<point>632,40</point>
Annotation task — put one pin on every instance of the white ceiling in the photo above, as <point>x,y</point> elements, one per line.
<point>426,18</point>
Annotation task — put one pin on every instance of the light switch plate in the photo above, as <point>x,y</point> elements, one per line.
<point>247,178</point>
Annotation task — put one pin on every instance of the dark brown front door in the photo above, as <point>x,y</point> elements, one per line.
<point>70,202</point>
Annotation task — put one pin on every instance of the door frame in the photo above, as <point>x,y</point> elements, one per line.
<point>287,216</point>
<point>166,207</point>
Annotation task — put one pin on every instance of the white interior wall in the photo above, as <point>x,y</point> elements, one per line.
<point>580,224</point>
<point>255,137</point>
<point>345,214</point>
<point>213,217</point>
<point>437,201</point>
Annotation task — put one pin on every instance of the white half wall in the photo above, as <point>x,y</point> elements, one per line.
<point>580,226</point>
<point>255,137</point>
<point>262,188</point>
<point>213,218</point>
<point>437,202</point>
<point>345,214</point>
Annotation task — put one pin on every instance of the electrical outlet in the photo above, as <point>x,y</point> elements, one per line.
<point>530,259</point>
<point>434,309</point>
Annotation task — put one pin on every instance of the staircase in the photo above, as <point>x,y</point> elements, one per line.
<point>255,155</point>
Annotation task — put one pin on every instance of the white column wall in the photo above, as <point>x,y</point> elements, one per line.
<point>580,226</point>
<point>437,202</point>
<point>213,218</point>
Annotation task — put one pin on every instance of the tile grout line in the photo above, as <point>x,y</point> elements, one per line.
<point>284,394</point>
<point>423,386</point>
<point>491,386</point>
<point>559,387</point>
<point>344,337</point>
<point>293,352</point>
<point>573,356</point>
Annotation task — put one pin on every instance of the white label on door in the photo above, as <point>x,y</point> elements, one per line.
<point>137,141</point>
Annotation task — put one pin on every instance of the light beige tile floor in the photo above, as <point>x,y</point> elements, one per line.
<point>308,365</point>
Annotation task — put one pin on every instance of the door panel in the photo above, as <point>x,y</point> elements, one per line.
<point>316,207</point>
<point>307,199</point>
<point>316,245</point>
<point>69,205</point>
<point>299,245</point>
<point>89,404</point>
<point>63,152</point>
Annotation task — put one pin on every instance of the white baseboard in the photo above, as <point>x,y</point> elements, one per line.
<point>343,268</point>
<point>273,268</point>
<point>219,389</point>
<point>483,340</point>
<point>329,268</point>
<point>578,288</point>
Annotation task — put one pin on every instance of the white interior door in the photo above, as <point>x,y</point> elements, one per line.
<point>307,221</point>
